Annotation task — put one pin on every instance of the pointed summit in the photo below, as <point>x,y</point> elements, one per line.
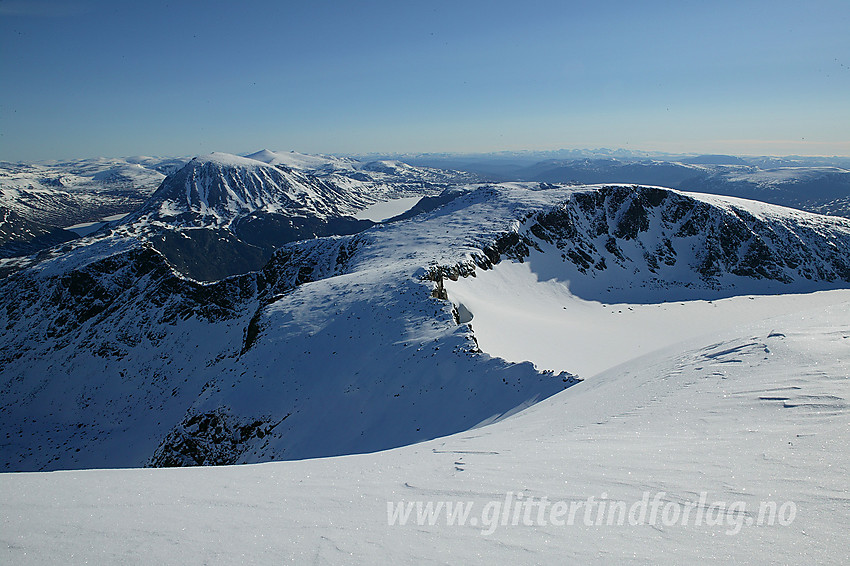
<point>217,188</point>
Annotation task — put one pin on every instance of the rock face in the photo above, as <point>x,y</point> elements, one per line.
<point>111,357</point>
<point>211,439</point>
<point>666,245</point>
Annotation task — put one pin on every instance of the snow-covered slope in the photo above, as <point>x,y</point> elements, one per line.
<point>617,259</point>
<point>305,162</point>
<point>37,200</point>
<point>218,188</point>
<point>83,190</point>
<point>825,190</point>
<point>753,416</point>
<point>20,236</point>
<point>555,329</point>
<point>348,344</point>
<point>392,172</point>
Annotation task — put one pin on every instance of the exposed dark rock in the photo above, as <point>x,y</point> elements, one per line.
<point>594,228</point>
<point>216,438</point>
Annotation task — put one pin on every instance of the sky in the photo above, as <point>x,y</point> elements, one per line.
<point>84,78</point>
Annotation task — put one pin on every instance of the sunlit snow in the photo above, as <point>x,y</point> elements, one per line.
<point>381,211</point>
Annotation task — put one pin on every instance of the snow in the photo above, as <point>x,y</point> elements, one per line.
<point>301,161</point>
<point>784,174</point>
<point>219,188</point>
<point>752,414</point>
<point>78,193</point>
<point>113,217</point>
<point>359,356</point>
<point>86,228</point>
<point>557,330</point>
<point>753,206</point>
<point>737,395</point>
<point>229,160</point>
<point>381,211</point>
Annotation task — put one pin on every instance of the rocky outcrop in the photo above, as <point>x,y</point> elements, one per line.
<point>216,438</point>
<point>646,236</point>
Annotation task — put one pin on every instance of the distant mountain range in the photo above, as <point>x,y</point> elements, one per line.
<point>39,200</point>
<point>817,184</point>
<point>215,215</point>
<point>45,204</point>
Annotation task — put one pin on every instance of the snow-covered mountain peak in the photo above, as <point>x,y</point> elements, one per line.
<point>264,155</point>
<point>219,188</point>
<point>303,161</point>
<point>216,189</point>
<point>227,160</point>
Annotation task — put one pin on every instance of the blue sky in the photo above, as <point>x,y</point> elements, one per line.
<point>84,77</point>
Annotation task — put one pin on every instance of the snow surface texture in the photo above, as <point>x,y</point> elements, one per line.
<point>348,344</point>
<point>757,413</point>
<point>556,330</point>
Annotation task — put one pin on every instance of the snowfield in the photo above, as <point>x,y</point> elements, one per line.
<point>757,413</point>
<point>519,318</point>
